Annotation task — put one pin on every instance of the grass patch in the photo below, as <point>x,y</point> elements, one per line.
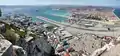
<point>17,30</point>
<point>10,35</point>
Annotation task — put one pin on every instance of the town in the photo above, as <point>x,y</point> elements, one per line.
<point>86,32</point>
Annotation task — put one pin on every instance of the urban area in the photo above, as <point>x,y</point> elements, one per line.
<point>87,31</point>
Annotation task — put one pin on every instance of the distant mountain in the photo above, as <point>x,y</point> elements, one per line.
<point>29,6</point>
<point>41,8</point>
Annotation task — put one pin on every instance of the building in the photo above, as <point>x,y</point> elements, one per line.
<point>65,35</point>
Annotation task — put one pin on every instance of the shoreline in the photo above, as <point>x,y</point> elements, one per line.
<point>115,14</point>
<point>68,24</point>
<point>61,15</point>
<point>83,29</point>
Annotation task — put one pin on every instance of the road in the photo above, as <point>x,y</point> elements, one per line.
<point>75,30</point>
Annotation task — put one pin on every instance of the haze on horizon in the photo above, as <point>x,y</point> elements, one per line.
<point>64,2</point>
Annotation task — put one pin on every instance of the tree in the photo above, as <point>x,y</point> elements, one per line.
<point>11,36</point>
<point>0,13</point>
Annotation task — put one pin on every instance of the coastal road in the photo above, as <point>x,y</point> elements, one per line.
<point>75,30</point>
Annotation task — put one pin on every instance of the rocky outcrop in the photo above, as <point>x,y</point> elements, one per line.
<point>18,51</point>
<point>99,51</point>
<point>87,43</point>
<point>111,49</point>
<point>114,51</point>
<point>37,47</point>
<point>5,47</point>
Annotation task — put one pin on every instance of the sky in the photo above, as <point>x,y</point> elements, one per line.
<point>65,2</point>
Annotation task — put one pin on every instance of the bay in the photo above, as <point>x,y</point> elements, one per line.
<point>117,12</point>
<point>38,11</point>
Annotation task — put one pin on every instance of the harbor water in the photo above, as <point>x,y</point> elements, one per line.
<point>37,11</point>
<point>117,12</point>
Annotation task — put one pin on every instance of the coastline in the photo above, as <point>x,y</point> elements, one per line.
<point>115,14</point>
<point>70,27</point>
<point>61,15</point>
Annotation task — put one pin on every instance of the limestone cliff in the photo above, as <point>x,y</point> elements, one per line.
<point>37,47</point>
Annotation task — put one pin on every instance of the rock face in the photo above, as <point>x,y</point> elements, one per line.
<point>2,28</point>
<point>37,47</point>
<point>18,51</point>
<point>5,47</point>
<point>88,44</point>
<point>113,52</point>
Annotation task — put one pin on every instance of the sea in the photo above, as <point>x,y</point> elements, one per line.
<point>117,12</point>
<point>37,11</point>
<point>44,11</point>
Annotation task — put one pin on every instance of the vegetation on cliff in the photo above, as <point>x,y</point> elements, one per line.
<point>12,33</point>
